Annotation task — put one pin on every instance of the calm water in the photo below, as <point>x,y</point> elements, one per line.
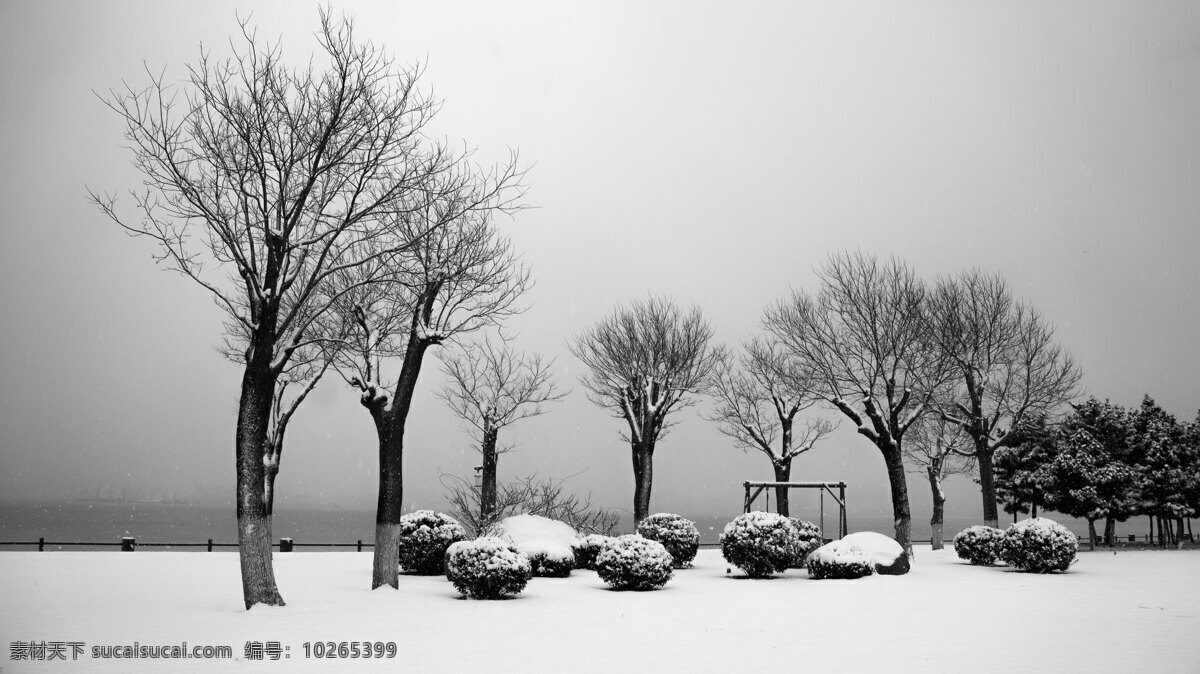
<point>151,523</point>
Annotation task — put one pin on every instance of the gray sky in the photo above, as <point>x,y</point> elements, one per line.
<point>713,154</point>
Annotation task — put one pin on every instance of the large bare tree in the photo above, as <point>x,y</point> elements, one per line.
<point>459,278</point>
<point>938,449</point>
<point>491,386</point>
<point>865,341</point>
<point>1008,369</point>
<point>757,401</point>
<point>644,362</point>
<point>260,182</point>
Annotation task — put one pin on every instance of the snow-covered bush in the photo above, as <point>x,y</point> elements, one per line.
<point>678,535</point>
<point>424,537</point>
<point>1038,545</point>
<point>808,538</point>
<point>979,545</point>
<point>838,562</point>
<point>759,543</point>
<point>857,555</point>
<point>546,542</point>
<point>486,568</point>
<point>587,548</point>
<point>632,562</point>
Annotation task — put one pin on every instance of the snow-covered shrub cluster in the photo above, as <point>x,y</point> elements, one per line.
<point>424,537</point>
<point>546,542</point>
<point>838,562</point>
<point>587,548</point>
<point>808,538</point>
<point>487,568</point>
<point>857,555</point>
<point>632,562</point>
<point>979,545</point>
<point>759,543</point>
<point>678,535</point>
<point>1038,545</point>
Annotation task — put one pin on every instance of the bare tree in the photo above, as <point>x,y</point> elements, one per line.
<point>528,495</point>
<point>646,361</point>
<point>461,277</point>
<point>260,182</point>
<point>864,339</point>
<point>757,403</point>
<point>490,387</point>
<point>1008,368</point>
<point>938,449</point>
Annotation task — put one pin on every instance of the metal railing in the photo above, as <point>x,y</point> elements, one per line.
<point>128,544</point>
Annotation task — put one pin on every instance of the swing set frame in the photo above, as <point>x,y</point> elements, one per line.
<point>825,487</point>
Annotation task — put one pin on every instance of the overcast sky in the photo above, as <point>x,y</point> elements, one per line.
<point>712,153</point>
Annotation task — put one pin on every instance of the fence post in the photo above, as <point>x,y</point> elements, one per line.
<point>41,544</point>
<point>360,545</point>
<point>285,545</point>
<point>210,545</point>
<point>127,544</point>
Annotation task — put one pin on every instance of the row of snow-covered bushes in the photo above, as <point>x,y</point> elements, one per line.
<point>761,544</point>
<point>1037,545</point>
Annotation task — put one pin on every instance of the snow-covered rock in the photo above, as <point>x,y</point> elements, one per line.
<point>546,542</point>
<point>857,555</point>
<point>1038,545</point>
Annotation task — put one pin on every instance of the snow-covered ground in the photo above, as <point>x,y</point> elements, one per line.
<point>1134,611</point>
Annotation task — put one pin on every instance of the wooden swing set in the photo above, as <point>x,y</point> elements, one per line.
<point>825,487</point>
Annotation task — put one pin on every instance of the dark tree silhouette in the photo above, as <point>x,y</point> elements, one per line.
<point>1008,368</point>
<point>646,361</point>
<point>259,183</point>
<point>864,339</point>
<point>757,402</point>
<point>491,386</point>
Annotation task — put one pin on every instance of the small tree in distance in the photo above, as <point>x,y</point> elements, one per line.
<point>646,361</point>
<point>938,449</point>
<point>490,387</point>
<point>756,405</point>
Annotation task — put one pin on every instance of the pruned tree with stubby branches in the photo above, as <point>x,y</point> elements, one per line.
<point>260,182</point>
<point>644,362</point>
<point>756,404</point>
<point>491,386</point>
<point>938,448</point>
<point>864,339</point>
<point>461,277</point>
<point>1008,369</point>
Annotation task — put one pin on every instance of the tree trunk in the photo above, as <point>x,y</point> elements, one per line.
<point>1092,534</point>
<point>1110,531</point>
<point>389,425</point>
<point>643,477</point>
<point>487,491</point>
<point>783,473</point>
<point>987,482</point>
<point>900,510</point>
<point>254,526</point>
<point>1179,532</point>
<point>939,502</point>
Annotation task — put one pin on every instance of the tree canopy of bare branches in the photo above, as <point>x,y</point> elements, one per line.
<point>491,386</point>
<point>462,275</point>
<point>864,340</point>
<point>645,361</point>
<point>1008,369</point>
<point>757,401</point>
<point>262,182</point>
